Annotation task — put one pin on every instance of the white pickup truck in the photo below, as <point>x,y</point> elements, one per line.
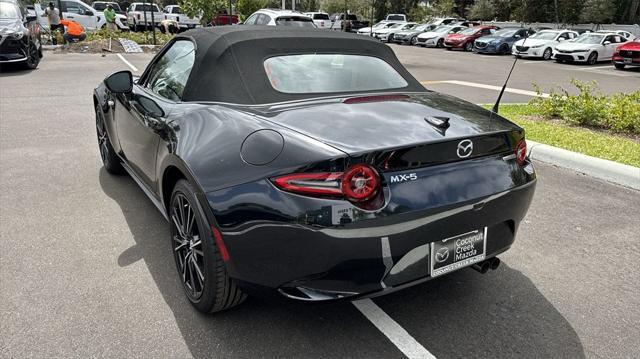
<point>76,10</point>
<point>139,16</point>
<point>173,12</point>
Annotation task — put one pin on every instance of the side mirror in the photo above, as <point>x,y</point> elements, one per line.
<point>120,82</point>
<point>88,12</point>
<point>607,43</point>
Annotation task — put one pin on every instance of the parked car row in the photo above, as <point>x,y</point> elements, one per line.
<point>561,45</point>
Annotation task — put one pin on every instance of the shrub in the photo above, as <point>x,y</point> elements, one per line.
<point>618,112</point>
<point>142,38</point>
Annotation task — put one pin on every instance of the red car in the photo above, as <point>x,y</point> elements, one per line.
<point>627,55</point>
<point>223,18</point>
<point>465,38</point>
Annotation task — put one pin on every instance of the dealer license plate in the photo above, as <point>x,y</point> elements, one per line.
<point>453,253</point>
<point>627,61</point>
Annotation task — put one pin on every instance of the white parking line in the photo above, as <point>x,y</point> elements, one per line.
<point>126,62</point>
<point>596,67</point>
<point>392,330</point>
<point>487,87</point>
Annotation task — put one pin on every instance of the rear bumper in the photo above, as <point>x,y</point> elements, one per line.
<point>320,249</point>
<point>626,61</point>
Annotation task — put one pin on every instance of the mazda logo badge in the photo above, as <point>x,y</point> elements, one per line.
<point>465,148</point>
<point>442,254</point>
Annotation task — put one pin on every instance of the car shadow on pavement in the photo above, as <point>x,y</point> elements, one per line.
<point>465,314</point>
<point>14,69</point>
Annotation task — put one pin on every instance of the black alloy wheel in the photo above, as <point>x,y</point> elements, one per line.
<point>198,258</point>
<point>546,55</point>
<point>593,58</point>
<point>33,56</point>
<point>468,47</point>
<point>440,43</point>
<point>187,246</point>
<point>110,159</point>
<point>504,49</point>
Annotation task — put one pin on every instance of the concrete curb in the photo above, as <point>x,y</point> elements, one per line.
<point>609,171</point>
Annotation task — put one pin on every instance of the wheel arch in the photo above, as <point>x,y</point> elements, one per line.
<point>173,170</point>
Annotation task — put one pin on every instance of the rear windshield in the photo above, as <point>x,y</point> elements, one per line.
<point>395,17</point>
<point>320,17</point>
<point>295,21</point>
<point>100,6</point>
<point>331,73</point>
<point>147,7</point>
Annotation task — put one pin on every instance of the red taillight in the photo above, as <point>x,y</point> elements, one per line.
<point>521,152</point>
<point>358,184</point>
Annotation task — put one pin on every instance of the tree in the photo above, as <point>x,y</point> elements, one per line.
<point>482,10</point>
<point>208,9</point>
<point>444,7</point>
<point>597,11</point>
<point>248,7</point>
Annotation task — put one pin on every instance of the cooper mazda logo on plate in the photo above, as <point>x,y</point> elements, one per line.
<point>465,148</point>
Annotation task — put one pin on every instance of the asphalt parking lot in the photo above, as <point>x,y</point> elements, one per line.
<point>86,269</point>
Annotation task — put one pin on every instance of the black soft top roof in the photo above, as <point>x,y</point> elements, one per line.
<point>229,60</point>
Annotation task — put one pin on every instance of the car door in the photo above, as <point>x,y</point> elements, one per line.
<point>141,115</point>
<point>613,42</point>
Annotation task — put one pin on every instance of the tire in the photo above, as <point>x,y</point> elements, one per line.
<point>619,66</point>
<point>110,159</point>
<point>413,41</point>
<point>33,56</point>
<point>505,49</point>
<point>200,267</point>
<point>546,55</point>
<point>448,48</point>
<point>468,47</point>
<point>593,58</point>
<point>440,43</point>
<point>390,38</point>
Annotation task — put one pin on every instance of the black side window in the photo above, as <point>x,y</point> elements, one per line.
<point>73,7</point>
<point>170,73</point>
<point>251,20</point>
<point>263,19</point>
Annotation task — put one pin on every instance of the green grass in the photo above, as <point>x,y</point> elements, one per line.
<point>582,140</point>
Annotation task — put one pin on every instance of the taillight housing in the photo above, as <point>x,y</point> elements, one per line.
<point>521,152</point>
<point>359,183</point>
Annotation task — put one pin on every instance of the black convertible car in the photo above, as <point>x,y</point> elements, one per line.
<point>312,164</point>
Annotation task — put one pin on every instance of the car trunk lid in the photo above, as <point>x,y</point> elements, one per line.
<point>402,130</point>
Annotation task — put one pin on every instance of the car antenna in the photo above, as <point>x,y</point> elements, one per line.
<point>496,106</point>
